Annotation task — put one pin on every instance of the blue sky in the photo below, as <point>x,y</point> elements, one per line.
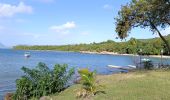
<point>58,22</point>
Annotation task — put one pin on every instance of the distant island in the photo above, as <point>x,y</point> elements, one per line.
<point>152,46</point>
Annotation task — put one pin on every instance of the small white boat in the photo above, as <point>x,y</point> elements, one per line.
<point>27,54</point>
<point>129,67</point>
<point>132,66</point>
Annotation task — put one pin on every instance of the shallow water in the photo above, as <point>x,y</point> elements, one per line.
<point>12,60</point>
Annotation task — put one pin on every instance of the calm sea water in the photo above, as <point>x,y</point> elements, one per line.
<point>11,62</point>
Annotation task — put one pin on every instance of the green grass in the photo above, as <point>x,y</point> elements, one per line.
<point>140,85</point>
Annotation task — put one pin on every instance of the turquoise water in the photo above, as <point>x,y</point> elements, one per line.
<point>12,60</point>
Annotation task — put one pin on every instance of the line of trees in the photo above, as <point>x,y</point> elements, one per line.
<point>148,46</point>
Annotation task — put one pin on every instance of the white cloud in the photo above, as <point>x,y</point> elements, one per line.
<point>64,29</point>
<point>7,10</point>
<point>108,7</point>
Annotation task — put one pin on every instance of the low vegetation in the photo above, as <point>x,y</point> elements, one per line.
<point>148,65</point>
<point>138,85</point>
<point>42,81</point>
<point>89,85</point>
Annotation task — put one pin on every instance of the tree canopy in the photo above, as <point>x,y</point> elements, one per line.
<point>152,14</point>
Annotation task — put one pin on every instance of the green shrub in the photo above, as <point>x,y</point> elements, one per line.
<point>148,65</point>
<point>89,84</point>
<point>42,81</point>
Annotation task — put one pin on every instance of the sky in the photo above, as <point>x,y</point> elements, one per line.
<point>60,22</point>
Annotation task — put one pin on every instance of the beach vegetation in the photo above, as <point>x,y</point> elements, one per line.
<point>148,65</point>
<point>89,85</point>
<point>42,81</point>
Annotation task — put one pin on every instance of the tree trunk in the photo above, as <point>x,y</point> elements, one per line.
<point>165,41</point>
<point>163,38</point>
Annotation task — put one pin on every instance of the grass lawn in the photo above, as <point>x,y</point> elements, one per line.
<point>140,85</point>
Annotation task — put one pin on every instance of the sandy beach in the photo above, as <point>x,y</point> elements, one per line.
<point>114,53</point>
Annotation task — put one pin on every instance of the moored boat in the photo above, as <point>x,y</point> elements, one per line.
<point>129,67</point>
<point>27,54</point>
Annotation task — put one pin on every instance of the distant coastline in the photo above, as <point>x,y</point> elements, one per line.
<point>152,47</point>
<point>107,53</point>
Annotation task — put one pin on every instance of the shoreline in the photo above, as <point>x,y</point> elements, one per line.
<point>117,54</point>
<point>104,53</point>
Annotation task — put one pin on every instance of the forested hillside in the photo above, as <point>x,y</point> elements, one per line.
<point>133,46</point>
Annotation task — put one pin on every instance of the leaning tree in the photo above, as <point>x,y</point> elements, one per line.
<point>152,14</point>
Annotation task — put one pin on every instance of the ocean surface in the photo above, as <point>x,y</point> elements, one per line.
<point>11,62</point>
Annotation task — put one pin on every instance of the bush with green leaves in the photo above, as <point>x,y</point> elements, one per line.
<point>148,64</point>
<point>42,81</point>
<point>88,82</point>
